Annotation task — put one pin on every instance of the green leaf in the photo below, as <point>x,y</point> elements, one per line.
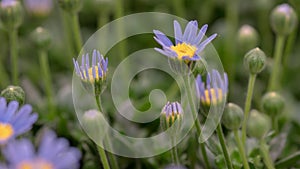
<point>288,161</point>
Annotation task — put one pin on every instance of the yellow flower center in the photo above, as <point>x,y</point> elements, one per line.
<point>6,131</point>
<point>214,99</point>
<point>183,49</point>
<point>91,76</point>
<point>35,165</point>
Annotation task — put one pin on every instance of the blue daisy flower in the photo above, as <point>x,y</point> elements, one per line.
<point>53,153</point>
<point>14,122</point>
<point>187,44</point>
<point>214,89</point>
<point>92,73</point>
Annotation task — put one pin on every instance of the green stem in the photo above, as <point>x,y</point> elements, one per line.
<point>241,149</point>
<point>275,75</point>
<point>197,123</point>
<point>174,152</point>
<point>113,160</point>
<point>67,36</point>
<point>224,147</point>
<point>76,32</point>
<point>120,29</point>
<point>265,153</point>
<point>4,79</point>
<point>275,124</point>
<point>248,106</point>
<point>46,74</point>
<point>103,157</point>
<point>13,40</point>
<point>289,46</point>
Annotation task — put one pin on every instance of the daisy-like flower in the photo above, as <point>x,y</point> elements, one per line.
<point>188,44</point>
<point>94,74</point>
<point>53,153</point>
<point>14,122</point>
<point>213,91</point>
<point>171,112</point>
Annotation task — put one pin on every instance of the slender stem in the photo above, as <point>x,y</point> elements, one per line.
<point>197,123</point>
<point>275,75</point>
<point>241,149</point>
<point>248,106</point>
<point>103,157</point>
<point>76,32</point>
<point>13,40</point>
<point>119,7</point>
<point>275,124</point>
<point>113,160</point>
<point>46,74</point>
<point>174,152</point>
<point>4,79</point>
<point>265,153</point>
<point>67,36</point>
<point>224,147</point>
<point>289,46</point>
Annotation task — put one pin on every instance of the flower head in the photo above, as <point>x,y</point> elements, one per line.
<point>187,45</point>
<point>53,153</point>
<point>14,122</point>
<point>214,90</point>
<point>92,73</point>
<point>171,112</point>
<point>38,7</point>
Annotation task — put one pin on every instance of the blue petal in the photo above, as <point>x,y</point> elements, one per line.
<point>177,33</point>
<point>201,34</point>
<point>163,38</point>
<point>204,43</point>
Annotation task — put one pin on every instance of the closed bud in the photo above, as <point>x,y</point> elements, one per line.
<point>283,19</point>
<point>94,123</point>
<point>258,124</point>
<point>247,37</point>
<point>255,60</point>
<point>11,14</point>
<point>232,117</point>
<point>14,93</point>
<point>38,9</point>
<point>171,113</point>
<point>41,38</point>
<point>272,104</point>
<point>70,5</point>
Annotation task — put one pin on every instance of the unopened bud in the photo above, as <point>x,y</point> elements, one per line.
<point>258,124</point>
<point>247,37</point>
<point>232,117</point>
<point>283,19</point>
<point>70,5</point>
<point>14,93</point>
<point>11,14</point>
<point>272,104</point>
<point>41,38</point>
<point>255,60</point>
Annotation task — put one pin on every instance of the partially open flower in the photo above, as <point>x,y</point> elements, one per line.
<point>213,91</point>
<point>93,75</point>
<point>171,113</point>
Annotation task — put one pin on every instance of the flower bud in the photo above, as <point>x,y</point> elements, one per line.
<point>232,116</point>
<point>38,9</point>
<point>272,104</point>
<point>94,123</point>
<point>11,14</point>
<point>14,93</point>
<point>70,5</point>
<point>255,60</point>
<point>283,19</point>
<point>171,113</point>
<point>41,38</point>
<point>247,37</point>
<point>258,124</point>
